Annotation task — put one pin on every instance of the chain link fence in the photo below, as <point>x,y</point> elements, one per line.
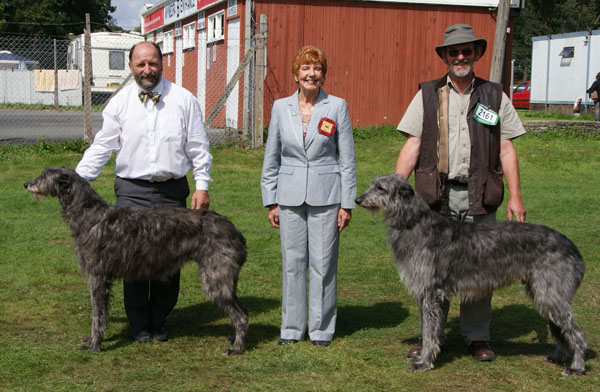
<point>35,71</point>
<point>224,85</point>
<point>42,83</point>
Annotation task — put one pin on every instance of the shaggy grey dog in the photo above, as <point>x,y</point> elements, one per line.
<point>437,257</point>
<point>113,242</point>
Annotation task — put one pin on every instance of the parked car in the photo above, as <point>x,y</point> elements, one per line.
<point>520,97</point>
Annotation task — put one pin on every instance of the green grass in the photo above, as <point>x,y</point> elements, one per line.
<point>40,106</point>
<point>527,115</point>
<point>44,305</point>
<point>41,148</point>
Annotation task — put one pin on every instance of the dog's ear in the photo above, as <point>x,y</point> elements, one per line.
<point>401,188</point>
<point>64,180</point>
<point>405,192</point>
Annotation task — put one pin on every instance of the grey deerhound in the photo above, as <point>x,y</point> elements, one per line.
<point>113,242</point>
<point>437,257</point>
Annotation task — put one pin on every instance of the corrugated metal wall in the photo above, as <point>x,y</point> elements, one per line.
<point>377,52</point>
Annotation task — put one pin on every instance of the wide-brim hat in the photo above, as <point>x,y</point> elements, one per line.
<point>460,34</point>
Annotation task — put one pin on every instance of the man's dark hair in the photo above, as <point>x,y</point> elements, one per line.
<point>153,43</point>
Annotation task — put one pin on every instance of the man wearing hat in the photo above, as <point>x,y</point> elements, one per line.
<point>459,132</point>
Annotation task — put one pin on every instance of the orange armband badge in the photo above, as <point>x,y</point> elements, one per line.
<point>327,126</point>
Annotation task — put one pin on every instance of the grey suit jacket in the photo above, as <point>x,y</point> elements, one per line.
<point>321,171</point>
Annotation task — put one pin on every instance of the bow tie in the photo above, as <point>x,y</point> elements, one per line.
<point>144,95</point>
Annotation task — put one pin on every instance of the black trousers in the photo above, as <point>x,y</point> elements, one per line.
<point>147,304</point>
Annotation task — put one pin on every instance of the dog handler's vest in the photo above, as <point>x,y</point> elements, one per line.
<point>485,171</point>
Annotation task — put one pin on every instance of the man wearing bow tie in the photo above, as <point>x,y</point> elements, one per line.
<point>157,132</point>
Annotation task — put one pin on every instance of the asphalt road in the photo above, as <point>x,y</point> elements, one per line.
<point>28,126</point>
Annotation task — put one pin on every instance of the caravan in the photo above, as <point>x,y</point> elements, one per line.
<point>110,52</point>
<point>563,66</point>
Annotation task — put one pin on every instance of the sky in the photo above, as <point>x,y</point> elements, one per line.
<point>128,12</point>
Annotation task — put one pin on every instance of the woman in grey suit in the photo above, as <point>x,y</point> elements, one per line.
<point>309,185</point>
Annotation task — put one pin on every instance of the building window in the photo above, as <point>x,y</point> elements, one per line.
<point>116,59</point>
<point>168,42</point>
<point>568,52</point>
<point>567,55</point>
<point>216,23</point>
<point>231,7</point>
<point>189,36</point>
<point>159,39</point>
<point>200,20</point>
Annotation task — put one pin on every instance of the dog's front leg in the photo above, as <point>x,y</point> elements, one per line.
<point>99,289</point>
<point>431,323</point>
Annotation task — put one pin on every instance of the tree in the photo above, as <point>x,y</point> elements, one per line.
<point>56,18</point>
<point>546,17</point>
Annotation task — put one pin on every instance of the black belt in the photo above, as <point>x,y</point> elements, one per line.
<point>456,183</point>
<point>138,180</point>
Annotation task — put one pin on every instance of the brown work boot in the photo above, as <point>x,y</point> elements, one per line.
<point>482,351</point>
<point>415,351</point>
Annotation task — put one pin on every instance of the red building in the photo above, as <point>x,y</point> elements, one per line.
<point>378,51</point>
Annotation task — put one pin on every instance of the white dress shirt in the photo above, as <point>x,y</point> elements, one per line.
<point>154,142</point>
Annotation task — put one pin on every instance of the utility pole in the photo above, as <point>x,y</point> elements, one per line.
<point>55,78</point>
<point>500,41</point>
<point>246,116</point>
<point>87,78</point>
<point>260,65</point>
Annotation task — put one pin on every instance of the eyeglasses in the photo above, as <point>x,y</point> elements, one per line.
<point>465,52</point>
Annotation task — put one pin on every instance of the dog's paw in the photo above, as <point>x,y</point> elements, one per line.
<point>232,352</point>
<point>87,347</point>
<point>420,367</point>
<point>573,372</point>
<point>86,340</point>
<point>86,344</point>
<point>555,358</point>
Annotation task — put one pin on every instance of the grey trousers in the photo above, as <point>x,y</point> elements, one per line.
<point>475,317</point>
<point>309,242</point>
<point>147,304</point>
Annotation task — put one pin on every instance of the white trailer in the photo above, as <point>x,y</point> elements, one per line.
<point>110,58</point>
<point>563,67</point>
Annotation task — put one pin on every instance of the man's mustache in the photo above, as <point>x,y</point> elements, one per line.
<point>461,62</point>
